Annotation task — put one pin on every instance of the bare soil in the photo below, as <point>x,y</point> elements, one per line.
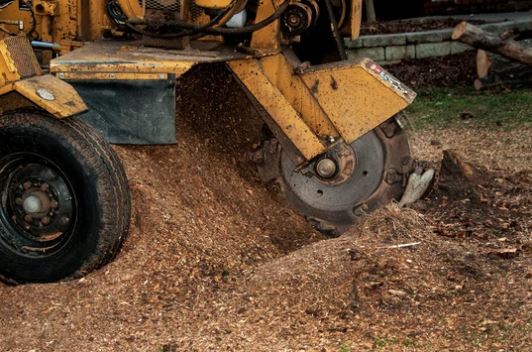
<point>448,71</point>
<point>215,262</point>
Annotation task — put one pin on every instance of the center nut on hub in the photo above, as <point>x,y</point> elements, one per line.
<point>37,203</point>
<point>326,168</point>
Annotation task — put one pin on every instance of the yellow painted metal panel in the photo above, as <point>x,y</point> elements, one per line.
<point>213,4</point>
<point>7,88</point>
<point>53,95</point>
<point>292,125</point>
<point>267,39</point>
<point>140,67</point>
<point>132,8</point>
<point>115,57</point>
<point>71,76</point>
<point>281,73</point>
<point>8,69</point>
<point>357,96</point>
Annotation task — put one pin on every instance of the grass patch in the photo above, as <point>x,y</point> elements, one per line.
<point>344,348</point>
<point>380,343</point>
<point>441,107</point>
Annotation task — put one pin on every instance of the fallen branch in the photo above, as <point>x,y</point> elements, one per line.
<point>479,38</point>
<point>399,246</point>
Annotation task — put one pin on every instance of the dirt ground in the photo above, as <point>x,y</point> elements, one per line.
<point>215,262</point>
<point>447,71</point>
<point>411,25</point>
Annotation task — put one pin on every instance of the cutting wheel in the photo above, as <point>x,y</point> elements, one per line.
<point>349,181</point>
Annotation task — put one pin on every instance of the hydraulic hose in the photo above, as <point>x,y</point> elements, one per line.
<point>334,28</point>
<point>217,31</point>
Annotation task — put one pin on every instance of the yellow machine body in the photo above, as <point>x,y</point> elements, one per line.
<point>72,22</point>
<point>310,105</point>
<point>20,72</point>
<point>68,23</point>
<point>317,105</point>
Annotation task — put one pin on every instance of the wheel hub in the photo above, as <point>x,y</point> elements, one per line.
<point>334,186</point>
<point>326,168</point>
<point>370,172</point>
<point>37,204</point>
<point>32,204</point>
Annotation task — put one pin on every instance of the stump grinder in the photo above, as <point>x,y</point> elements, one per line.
<point>79,75</point>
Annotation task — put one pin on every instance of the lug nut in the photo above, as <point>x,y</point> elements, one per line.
<point>27,185</point>
<point>54,204</point>
<point>28,218</point>
<point>18,201</point>
<point>45,187</point>
<point>326,168</point>
<point>45,220</point>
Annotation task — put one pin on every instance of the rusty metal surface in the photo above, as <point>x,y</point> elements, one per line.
<point>355,96</point>
<point>53,95</point>
<point>280,71</point>
<point>21,53</point>
<point>17,61</point>
<point>250,73</point>
<point>112,56</point>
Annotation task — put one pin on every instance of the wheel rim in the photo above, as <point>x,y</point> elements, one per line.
<point>361,169</point>
<point>38,208</point>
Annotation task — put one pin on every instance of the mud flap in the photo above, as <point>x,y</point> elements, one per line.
<point>139,112</point>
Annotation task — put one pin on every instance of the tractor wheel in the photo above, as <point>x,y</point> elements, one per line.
<point>337,188</point>
<point>65,203</point>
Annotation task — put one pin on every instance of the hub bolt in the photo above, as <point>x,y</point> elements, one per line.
<point>32,205</point>
<point>326,168</point>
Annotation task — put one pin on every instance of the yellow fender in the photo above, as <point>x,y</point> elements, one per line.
<point>51,94</point>
<point>20,72</point>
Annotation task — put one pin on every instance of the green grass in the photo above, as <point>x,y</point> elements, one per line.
<point>380,343</point>
<point>442,108</point>
<point>344,348</point>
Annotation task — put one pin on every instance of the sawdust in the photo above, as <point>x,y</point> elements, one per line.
<point>214,263</point>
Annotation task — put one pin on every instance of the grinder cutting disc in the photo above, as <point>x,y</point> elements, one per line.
<point>337,188</point>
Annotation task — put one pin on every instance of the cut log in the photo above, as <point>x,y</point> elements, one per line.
<point>483,64</point>
<point>458,177</point>
<point>495,71</point>
<point>479,38</point>
<point>454,166</point>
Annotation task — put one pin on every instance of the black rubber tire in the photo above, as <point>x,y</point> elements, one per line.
<point>397,164</point>
<point>98,182</point>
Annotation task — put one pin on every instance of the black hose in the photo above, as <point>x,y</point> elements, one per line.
<point>186,32</point>
<point>334,28</point>
<point>214,21</point>
<point>217,31</point>
<point>115,12</point>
